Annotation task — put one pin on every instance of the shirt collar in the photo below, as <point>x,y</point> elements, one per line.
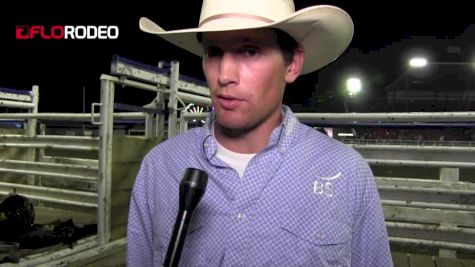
<point>282,136</point>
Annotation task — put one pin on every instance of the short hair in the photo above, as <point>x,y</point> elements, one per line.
<point>287,44</point>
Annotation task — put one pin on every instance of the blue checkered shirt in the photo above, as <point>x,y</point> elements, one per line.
<point>305,200</point>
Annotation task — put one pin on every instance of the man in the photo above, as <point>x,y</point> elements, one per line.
<point>279,193</point>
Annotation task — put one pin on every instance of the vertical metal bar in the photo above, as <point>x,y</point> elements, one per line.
<point>31,130</point>
<point>149,125</point>
<point>41,152</point>
<point>448,175</point>
<point>105,162</point>
<point>172,100</point>
<point>160,118</point>
<point>183,122</point>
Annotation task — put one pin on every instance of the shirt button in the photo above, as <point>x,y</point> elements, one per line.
<point>319,236</point>
<point>241,216</point>
<point>206,145</point>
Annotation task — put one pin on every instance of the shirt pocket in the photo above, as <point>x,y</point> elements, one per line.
<point>316,241</point>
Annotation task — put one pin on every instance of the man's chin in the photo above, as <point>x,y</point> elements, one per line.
<point>231,125</point>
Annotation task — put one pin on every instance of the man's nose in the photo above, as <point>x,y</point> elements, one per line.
<point>228,69</point>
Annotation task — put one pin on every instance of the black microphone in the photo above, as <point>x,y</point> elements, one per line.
<point>192,188</point>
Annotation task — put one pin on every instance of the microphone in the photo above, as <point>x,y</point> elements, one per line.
<point>192,188</point>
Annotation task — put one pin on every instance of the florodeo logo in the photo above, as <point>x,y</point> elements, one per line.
<point>59,32</point>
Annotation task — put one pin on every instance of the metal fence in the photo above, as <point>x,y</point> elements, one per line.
<point>426,204</point>
<point>437,212</point>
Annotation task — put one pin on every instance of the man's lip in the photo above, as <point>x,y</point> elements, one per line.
<point>228,97</point>
<point>228,102</point>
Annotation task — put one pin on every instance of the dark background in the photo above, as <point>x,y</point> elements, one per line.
<point>386,33</point>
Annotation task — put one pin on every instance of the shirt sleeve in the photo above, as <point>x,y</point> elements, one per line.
<point>370,245</point>
<point>139,227</point>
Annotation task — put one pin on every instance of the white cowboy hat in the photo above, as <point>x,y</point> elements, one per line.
<point>324,31</point>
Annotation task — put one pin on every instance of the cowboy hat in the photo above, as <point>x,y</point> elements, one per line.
<point>324,31</point>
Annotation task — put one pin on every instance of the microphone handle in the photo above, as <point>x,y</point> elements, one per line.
<point>178,239</point>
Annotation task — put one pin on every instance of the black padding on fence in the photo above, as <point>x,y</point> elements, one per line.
<point>128,107</point>
<point>15,91</point>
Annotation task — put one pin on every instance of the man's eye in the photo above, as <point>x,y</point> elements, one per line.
<point>251,51</point>
<point>212,52</point>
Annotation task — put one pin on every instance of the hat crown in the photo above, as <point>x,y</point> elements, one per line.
<point>267,11</point>
<point>324,31</point>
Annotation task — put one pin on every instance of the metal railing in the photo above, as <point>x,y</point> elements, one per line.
<point>409,142</point>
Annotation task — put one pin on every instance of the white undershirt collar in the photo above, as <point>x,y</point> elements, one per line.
<point>237,161</point>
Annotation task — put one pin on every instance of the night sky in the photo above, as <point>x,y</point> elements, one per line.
<point>384,34</point>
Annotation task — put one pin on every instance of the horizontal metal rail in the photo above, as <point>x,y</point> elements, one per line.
<point>429,205</point>
<point>69,171</point>
<point>409,142</point>
<point>412,148</point>
<point>82,117</point>
<point>461,235</point>
<point>16,104</point>
<point>74,143</point>
<point>45,258</point>
<point>93,163</point>
<point>152,74</point>
<point>429,215</point>
<point>51,146</point>
<point>458,187</point>
<point>50,194</point>
<point>47,166</point>
<point>184,96</point>
<point>54,138</point>
<point>104,249</point>
<point>50,174</point>
<point>420,163</point>
<point>58,201</point>
<point>16,95</point>
<point>355,118</point>
<point>433,227</point>
<point>389,117</point>
<point>440,191</point>
<point>431,243</point>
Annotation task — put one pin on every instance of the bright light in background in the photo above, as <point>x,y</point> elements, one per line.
<point>353,85</point>
<point>418,62</point>
<point>346,134</point>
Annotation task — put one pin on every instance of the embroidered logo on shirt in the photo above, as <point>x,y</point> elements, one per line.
<point>323,184</point>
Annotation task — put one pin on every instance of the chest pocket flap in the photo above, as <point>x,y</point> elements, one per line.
<point>318,232</point>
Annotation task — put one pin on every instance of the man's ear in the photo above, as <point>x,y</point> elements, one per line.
<point>295,66</point>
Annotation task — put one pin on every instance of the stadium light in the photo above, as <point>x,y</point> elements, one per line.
<point>353,86</point>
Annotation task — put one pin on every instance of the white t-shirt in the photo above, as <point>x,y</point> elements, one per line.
<point>237,161</point>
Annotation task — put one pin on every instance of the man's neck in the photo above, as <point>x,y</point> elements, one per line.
<point>249,140</point>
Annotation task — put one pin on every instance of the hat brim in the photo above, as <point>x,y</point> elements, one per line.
<point>324,31</point>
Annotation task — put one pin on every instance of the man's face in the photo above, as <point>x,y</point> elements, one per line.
<point>247,75</point>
